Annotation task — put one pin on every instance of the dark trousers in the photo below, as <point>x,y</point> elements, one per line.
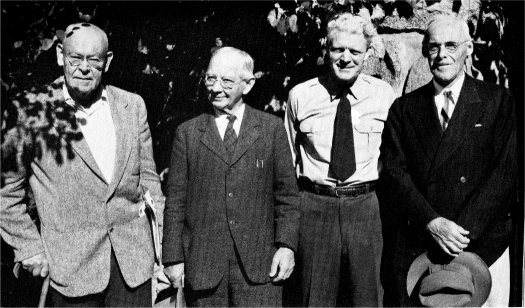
<point>117,294</point>
<point>235,289</point>
<point>339,252</point>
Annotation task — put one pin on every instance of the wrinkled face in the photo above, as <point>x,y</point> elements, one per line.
<point>84,59</point>
<point>347,52</point>
<point>447,65</point>
<point>224,83</point>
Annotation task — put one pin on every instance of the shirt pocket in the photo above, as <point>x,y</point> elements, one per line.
<point>368,137</point>
<point>318,133</point>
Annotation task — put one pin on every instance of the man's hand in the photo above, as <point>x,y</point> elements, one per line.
<point>284,262</point>
<point>161,282</point>
<point>175,274</point>
<point>37,265</point>
<point>451,237</point>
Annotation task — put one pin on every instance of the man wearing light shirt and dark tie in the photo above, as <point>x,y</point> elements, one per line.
<point>334,125</point>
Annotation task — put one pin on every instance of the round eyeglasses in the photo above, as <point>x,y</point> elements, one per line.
<point>226,83</point>
<point>433,48</point>
<point>94,62</point>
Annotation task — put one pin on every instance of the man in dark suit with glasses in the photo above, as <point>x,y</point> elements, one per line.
<point>449,178</point>
<point>232,218</point>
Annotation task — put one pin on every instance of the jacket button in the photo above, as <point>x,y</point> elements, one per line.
<point>463,179</point>
<point>230,195</point>
<point>232,222</point>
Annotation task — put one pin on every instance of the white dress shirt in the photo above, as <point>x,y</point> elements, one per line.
<point>222,121</point>
<point>98,129</point>
<point>439,96</point>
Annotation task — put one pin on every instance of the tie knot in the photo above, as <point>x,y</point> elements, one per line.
<point>343,93</point>
<point>448,94</point>
<point>231,118</point>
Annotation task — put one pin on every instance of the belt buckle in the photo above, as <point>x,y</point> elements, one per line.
<point>351,193</point>
<point>339,194</point>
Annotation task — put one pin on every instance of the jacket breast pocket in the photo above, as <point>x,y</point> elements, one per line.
<point>367,138</point>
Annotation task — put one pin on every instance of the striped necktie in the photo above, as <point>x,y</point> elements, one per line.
<point>230,137</point>
<point>445,111</point>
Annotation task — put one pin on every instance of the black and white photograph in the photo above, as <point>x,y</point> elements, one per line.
<point>262,153</point>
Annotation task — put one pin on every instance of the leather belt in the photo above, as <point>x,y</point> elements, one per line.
<point>345,191</point>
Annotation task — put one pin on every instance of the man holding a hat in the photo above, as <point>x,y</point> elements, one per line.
<point>448,181</point>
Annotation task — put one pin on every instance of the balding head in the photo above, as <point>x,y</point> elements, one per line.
<point>85,57</point>
<point>79,31</point>
<point>235,57</point>
<point>445,22</point>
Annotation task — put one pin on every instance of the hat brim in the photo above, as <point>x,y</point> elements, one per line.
<point>479,270</point>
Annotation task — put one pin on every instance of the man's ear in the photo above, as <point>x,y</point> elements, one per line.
<point>109,57</point>
<point>249,85</point>
<point>470,48</point>
<point>60,54</point>
<point>367,54</point>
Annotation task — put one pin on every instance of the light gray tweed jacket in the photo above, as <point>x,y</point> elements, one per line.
<point>82,217</point>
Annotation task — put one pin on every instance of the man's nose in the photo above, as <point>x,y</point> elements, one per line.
<point>84,66</point>
<point>346,56</point>
<point>216,87</point>
<point>442,51</point>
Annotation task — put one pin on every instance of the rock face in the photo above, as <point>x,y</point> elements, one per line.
<point>402,51</point>
<point>422,12</point>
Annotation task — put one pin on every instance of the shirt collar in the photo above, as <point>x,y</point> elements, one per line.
<point>71,102</point>
<point>455,88</point>
<point>238,114</point>
<point>358,89</point>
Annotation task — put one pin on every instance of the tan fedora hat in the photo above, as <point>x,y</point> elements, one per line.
<point>465,281</point>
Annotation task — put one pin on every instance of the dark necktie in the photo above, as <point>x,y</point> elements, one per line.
<point>230,137</point>
<point>342,161</point>
<point>445,111</point>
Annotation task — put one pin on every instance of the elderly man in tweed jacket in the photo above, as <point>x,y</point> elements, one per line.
<point>86,168</point>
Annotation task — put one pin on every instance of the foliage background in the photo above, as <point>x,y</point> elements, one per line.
<point>162,48</point>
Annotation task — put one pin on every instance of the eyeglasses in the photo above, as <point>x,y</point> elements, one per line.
<point>433,48</point>
<point>92,61</point>
<point>210,80</point>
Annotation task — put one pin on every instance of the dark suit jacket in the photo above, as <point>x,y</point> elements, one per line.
<point>82,216</point>
<point>466,174</point>
<point>253,198</point>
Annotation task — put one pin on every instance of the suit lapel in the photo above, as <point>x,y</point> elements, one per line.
<point>82,149</point>
<point>426,122</point>
<point>78,144</point>
<point>468,110</point>
<point>248,133</point>
<point>123,133</point>
<point>210,137</point>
